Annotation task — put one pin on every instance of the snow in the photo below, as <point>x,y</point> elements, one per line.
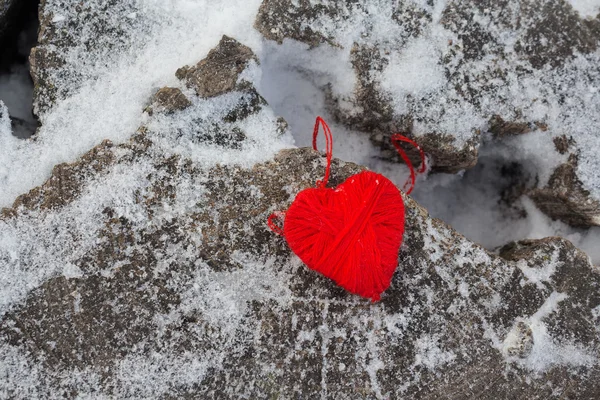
<point>586,8</point>
<point>20,378</point>
<point>538,274</point>
<point>107,103</point>
<point>5,129</point>
<point>473,203</point>
<point>546,352</point>
<point>38,246</point>
<point>429,353</point>
<point>106,100</point>
<point>415,72</point>
<point>178,134</point>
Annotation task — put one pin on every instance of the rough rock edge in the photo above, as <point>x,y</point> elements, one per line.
<point>218,72</point>
<point>565,199</point>
<point>49,59</point>
<point>66,179</point>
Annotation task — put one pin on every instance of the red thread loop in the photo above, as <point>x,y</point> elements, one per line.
<point>396,139</point>
<point>321,183</point>
<point>271,223</point>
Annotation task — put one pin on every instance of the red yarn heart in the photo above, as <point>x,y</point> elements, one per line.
<point>351,234</point>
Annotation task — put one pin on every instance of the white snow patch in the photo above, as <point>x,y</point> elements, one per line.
<point>415,70</point>
<point>20,377</point>
<point>39,245</point>
<point>109,104</point>
<point>547,351</point>
<point>472,203</point>
<point>145,376</point>
<point>586,8</point>
<point>430,354</point>
<point>5,129</point>
<point>540,273</point>
<point>58,18</point>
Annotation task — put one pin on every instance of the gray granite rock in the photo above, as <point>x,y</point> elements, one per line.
<point>218,72</point>
<point>154,275</point>
<point>76,40</point>
<point>450,73</point>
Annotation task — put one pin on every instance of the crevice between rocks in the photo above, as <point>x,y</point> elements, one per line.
<point>18,35</point>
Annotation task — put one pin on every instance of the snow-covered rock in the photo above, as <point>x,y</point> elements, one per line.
<point>146,269</point>
<point>4,120</point>
<point>78,41</point>
<point>450,72</point>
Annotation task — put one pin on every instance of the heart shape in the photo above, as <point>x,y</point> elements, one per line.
<point>351,234</point>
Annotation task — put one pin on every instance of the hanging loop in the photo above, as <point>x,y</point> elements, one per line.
<point>396,140</point>
<point>328,148</point>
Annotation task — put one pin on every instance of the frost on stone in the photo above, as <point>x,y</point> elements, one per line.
<point>81,41</point>
<point>158,277</point>
<point>586,8</point>
<point>5,129</point>
<point>449,72</point>
<point>144,268</point>
<point>98,64</point>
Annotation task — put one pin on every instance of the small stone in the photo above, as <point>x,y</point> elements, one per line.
<point>219,71</point>
<point>171,99</point>
<point>522,340</point>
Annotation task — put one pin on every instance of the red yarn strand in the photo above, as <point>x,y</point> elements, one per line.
<point>328,148</point>
<point>396,139</point>
<point>276,229</point>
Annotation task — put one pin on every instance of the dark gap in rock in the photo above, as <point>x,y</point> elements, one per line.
<point>485,203</point>
<point>17,37</point>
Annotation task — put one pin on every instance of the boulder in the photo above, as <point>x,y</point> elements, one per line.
<point>145,269</point>
<point>449,73</point>
<point>564,197</point>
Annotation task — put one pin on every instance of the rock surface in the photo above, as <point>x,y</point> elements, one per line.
<point>79,40</point>
<point>565,199</point>
<point>218,72</point>
<point>468,68</point>
<point>154,275</point>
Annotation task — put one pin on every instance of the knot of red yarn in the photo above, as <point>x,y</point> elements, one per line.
<point>351,234</point>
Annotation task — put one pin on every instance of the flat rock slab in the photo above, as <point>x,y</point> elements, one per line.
<point>144,270</point>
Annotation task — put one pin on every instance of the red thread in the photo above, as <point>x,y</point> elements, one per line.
<point>272,225</point>
<point>396,139</point>
<point>351,234</point>
<point>328,148</point>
